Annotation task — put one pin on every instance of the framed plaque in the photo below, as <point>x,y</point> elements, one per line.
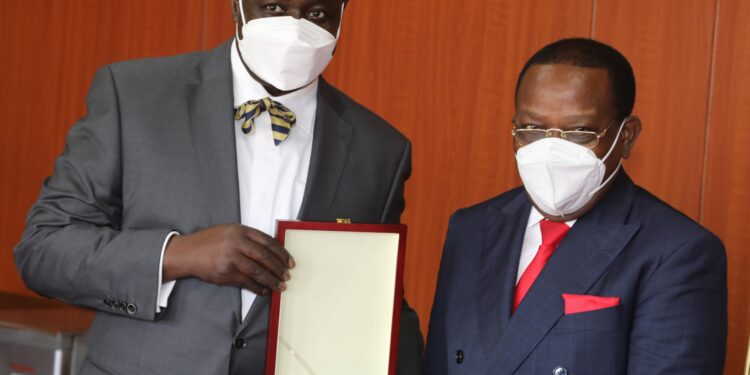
<point>340,312</point>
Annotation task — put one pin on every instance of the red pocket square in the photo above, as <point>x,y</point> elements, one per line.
<point>577,303</point>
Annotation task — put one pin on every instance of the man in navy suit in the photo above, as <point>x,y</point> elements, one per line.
<point>580,271</point>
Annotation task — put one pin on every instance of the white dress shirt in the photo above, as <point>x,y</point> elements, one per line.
<point>532,239</point>
<point>272,178</point>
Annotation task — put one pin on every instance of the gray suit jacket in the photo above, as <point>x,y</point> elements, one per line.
<point>156,153</point>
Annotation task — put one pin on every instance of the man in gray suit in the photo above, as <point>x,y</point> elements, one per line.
<point>161,209</point>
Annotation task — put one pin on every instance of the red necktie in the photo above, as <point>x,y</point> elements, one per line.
<point>552,233</point>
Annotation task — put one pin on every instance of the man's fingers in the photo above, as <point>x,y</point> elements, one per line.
<point>282,254</point>
<point>272,245</point>
<point>255,272</point>
<point>263,257</point>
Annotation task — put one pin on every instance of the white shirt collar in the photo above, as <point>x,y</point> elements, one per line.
<point>535,217</point>
<point>246,88</point>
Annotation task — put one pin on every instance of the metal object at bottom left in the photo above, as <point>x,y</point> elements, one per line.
<point>41,337</point>
<point>23,351</point>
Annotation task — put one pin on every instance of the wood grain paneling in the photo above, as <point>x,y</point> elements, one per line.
<point>23,311</point>
<point>50,51</point>
<point>669,45</point>
<point>727,180</point>
<point>218,23</point>
<point>443,73</point>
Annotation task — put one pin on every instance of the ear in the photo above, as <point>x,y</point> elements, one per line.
<point>236,11</point>
<point>630,132</point>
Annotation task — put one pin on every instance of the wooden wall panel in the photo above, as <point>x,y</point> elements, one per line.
<point>669,45</point>
<point>727,179</point>
<point>443,73</point>
<point>218,23</point>
<point>50,51</point>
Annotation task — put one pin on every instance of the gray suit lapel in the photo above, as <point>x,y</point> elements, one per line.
<point>332,138</point>
<point>258,310</point>
<point>583,256</point>
<point>210,104</point>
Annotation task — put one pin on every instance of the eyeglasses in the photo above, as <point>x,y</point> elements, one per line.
<point>526,134</point>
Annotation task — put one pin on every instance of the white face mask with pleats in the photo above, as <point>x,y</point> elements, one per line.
<point>561,176</point>
<point>286,52</point>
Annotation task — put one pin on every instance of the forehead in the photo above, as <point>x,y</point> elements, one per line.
<point>565,89</point>
<point>298,3</point>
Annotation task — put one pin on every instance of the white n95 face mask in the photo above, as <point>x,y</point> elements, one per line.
<point>286,52</point>
<point>561,176</point>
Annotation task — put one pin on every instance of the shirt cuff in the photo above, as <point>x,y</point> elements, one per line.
<point>164,289</point>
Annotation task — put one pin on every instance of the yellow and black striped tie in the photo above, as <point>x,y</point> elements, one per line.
<point>282,119</point>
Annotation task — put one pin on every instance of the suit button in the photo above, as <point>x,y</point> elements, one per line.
<point>459,356</point>
<point>239,343</point>
<point>132,309</point>
<point>559,370</point>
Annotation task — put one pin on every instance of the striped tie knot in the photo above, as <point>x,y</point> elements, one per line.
<point>282,119</point>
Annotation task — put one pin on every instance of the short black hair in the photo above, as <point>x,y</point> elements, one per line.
<point>588,53</point>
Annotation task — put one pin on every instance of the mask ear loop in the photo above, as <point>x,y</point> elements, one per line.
<point>619,164</point>
<point>242,16</point>
<point>617,138</point>
<point>341,20</point>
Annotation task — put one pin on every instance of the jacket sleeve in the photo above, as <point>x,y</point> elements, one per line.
<point>74,248</point>
<point>680,320</point>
